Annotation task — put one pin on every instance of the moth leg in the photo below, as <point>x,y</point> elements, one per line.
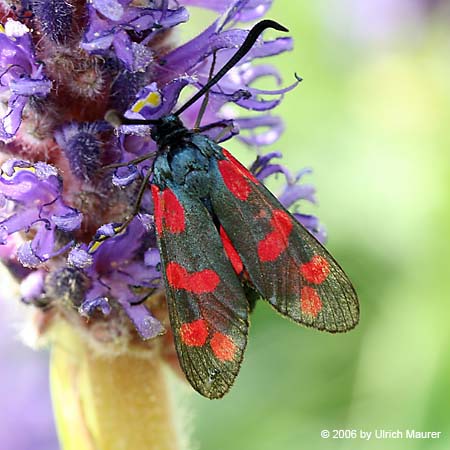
<point>226,129</point>
<point>122,227</point>
<point>132,162</point>
<point>206,97</point>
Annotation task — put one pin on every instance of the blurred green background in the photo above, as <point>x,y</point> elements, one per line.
<point>372,118</point>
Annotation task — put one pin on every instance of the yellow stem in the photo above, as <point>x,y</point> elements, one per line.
<point>108,402</point>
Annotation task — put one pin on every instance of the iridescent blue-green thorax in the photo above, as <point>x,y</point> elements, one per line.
<point>184,157</point>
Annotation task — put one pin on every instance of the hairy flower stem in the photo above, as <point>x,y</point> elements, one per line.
<point>108,403</point>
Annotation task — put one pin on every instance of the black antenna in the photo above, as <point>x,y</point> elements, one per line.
<point>246,46</point>
<point>116,119</point>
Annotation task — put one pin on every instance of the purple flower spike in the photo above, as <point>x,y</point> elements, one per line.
<point>20,75</point>
<point>35,193</point>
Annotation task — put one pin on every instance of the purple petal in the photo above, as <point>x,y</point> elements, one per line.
<point>28,87</point>
<point>312,224</point>
<point>112,9</point>
<point>272,48</point>
<point>275,129</point>
<point>89,307</point>
<point>146,325</point>
<point>147,222</point>
<point>295,192</point>
<point>45,171</point>
<point>152,103</point>
<point>10,123</point>
<point>27,256</point>
<point>184,58</point>
<point>242,11</point>
<point>101,43</point>
<point>69,221</point>
<point>117,247</point>
<point>124,176</point>
<point>122,45</point>
<point>79,258</point>
<point>152,257</point>
<point>107,230</point>
<point>142,57</point>
<point>3,235</point>
<point>258,105</point>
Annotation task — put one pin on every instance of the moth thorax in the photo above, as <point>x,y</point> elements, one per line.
<point>169,131</point>
<point>198,182</point>
<point>190,169</point>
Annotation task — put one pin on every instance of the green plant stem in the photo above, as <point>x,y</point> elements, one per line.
<point>108,402</point>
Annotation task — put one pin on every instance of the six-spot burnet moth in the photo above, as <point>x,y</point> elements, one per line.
<point>224,238</point>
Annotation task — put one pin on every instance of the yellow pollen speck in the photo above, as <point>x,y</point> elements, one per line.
<point>153,99</point>
<point>2,28</point>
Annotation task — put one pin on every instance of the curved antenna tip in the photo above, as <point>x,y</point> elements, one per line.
<point>269,23</point>
<point>246,46</point>
<point>298,77</point>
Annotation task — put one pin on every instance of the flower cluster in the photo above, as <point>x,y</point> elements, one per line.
<point>62,67</point>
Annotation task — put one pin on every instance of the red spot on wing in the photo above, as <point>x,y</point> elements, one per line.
<point>197,282</point>
<point>316,270</point>
<point>236,177</point>
<point>231,252</point>
<point>194,333</point>
<point>157,213</point>
<point>172,212</point>
<point>310,301</point>
<point>275,242</point>
<point>246,173</point>
<point>223,347</point>
<point>237,184</point>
